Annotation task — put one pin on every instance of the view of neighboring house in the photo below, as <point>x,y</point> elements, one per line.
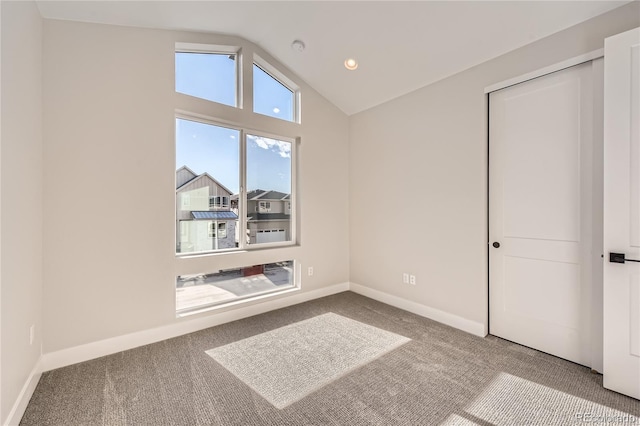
<point>203,213</point>
<point>268,216</point>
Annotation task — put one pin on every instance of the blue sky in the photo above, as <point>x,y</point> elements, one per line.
<point>214,149</point>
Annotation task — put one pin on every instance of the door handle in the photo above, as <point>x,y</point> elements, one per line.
<point>620,258</point>
<point>496,244</point>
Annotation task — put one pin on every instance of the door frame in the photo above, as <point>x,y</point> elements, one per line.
<point>593,56</point>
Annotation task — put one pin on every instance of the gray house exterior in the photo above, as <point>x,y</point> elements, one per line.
<point>268,216</point>
<point>204,220</point>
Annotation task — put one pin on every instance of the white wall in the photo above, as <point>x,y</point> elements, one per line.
<point>21,188</point>
<point>109,105</point>
<point>428,149</point>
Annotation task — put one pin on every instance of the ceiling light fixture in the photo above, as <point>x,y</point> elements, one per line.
<point>351,64</point>
<point>276,110</point>
<point>298,45</point>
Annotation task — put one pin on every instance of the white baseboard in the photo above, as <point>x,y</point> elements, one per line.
<point>100,348</point>
<point>76,354</point>
<point>19,407</point>
<point>473,327</point>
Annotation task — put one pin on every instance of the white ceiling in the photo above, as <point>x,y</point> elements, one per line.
<point>400,46</point>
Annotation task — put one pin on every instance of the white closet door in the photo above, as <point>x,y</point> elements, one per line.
<point>622,213</point>
<point>540,162</point>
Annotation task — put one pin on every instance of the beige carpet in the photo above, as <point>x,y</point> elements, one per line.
<point>286,364</point>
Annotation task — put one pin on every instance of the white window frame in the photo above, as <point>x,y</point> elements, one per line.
<point>218,201</point>
<point>218,49</point>
<point>242,199</point>
<point>295,285</point>
<point>285,81</point>
<point>222,230</point>
<point>218,229</point>
<point>264,206</point>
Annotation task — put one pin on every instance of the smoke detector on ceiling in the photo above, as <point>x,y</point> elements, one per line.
<point>298,45</point>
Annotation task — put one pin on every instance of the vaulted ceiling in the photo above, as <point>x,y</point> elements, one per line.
<point>400,46</point>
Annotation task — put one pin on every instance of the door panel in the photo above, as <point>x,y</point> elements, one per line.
<point>541,196</point>
<point>530,289</point>
<point>622,213</point>
<point>540,136</point>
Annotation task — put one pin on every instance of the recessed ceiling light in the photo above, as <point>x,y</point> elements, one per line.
<point>276,110</point>
<point>351,64</point>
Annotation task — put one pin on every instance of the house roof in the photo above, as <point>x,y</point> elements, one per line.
<point>259,194</point>
<point>207,215</point>
<point>205,174</point>
<point>273,195</point>
<point>269,216</point>
<point>191,172</point>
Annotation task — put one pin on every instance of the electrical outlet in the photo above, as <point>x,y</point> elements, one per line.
<point>412,279</point>
<point>310,272</point>
<point>32,332</point>
<point>405,278</point>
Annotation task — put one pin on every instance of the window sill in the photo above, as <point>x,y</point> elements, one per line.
<point>255,247</point>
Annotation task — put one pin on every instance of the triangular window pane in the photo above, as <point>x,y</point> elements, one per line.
<point>270,97</point>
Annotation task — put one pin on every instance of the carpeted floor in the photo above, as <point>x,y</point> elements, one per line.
<point>442,376</point>
<point>286,364</point>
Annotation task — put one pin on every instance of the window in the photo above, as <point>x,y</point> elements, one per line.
<point>222,230</point>
<point>219,202</point>
<point>218,230</point>
<point>269,166</point>
<point>270,96</point>
<point>209,161</point>
<point>265,206</point>
<point>207,173</point>
<point>234,188</point>
<point>198,291</point>
<point>207,74</point>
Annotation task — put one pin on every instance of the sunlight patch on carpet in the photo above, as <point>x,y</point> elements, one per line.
<point>512,400</point>
<point>286,364</point>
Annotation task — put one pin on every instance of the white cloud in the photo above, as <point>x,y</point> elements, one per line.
<point>261,143</point>
<point>282,148</point>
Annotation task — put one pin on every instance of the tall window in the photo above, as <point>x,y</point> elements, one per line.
<point>207,175</point>
<point>212,167</point>
<point>235,188</point>
<point>268,186</point>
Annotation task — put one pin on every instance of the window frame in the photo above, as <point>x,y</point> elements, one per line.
<point>264,206</point>
<point>295,285</point>
<point>216,227</point>
<point>216,49</point>
<point>278,76</point>
<point>242,222</point>
<point>222,230</point>
<point>218,201</point>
